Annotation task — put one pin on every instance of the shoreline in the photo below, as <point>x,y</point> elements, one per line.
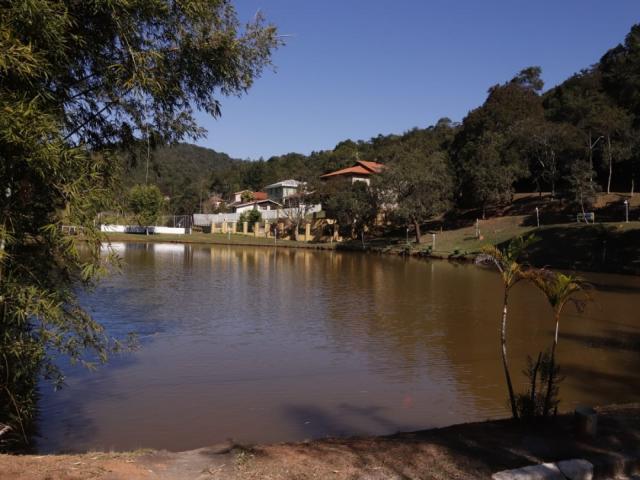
<point>466,451</point>
<point>601,248</point>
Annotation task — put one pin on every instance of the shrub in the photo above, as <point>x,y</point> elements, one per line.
<point>541,398</point>
<point>251,216</point>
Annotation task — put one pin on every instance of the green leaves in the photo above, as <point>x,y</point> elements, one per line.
<point>146,202</point>
<point>560,288</point>
<point>507,259</point>
<point>487,151</point>
<point>417,185</point>
<point>251,216</point>
<point>77,78</point>
<point>353,205</point>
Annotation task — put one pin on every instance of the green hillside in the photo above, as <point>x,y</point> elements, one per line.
<point>176,167</point>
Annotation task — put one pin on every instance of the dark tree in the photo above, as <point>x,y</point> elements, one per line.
<point>417,187</point>
<point>486,151</point>
<point>353,205</point>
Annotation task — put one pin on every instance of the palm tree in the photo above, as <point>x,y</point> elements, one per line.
<point>511,272</point>
<point>559,289</point>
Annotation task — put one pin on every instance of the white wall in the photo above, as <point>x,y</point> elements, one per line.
<point>205,219</point>
<point>139,229</point>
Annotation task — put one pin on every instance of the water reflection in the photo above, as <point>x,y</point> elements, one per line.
<point>261,344</point>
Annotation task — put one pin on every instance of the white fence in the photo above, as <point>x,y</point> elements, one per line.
<point>206,219</point>
<point>139,229</point>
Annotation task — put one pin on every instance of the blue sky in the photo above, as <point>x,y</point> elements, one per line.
<point>358,68</point>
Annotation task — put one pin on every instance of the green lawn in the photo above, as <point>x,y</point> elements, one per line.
<point>606,247</point>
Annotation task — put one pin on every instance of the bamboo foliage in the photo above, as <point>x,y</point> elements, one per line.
<point>79,80</point>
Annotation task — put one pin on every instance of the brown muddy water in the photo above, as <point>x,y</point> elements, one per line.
<point>265,345</point>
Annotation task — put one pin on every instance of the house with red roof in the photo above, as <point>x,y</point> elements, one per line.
<point>249,200</point>
<point>244,196</point>
<point>361,171</point>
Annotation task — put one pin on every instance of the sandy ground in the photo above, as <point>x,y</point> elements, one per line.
<point>463,451</point>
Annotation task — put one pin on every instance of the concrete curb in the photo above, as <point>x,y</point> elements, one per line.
<point>606,466</point>
<point>564,470</point>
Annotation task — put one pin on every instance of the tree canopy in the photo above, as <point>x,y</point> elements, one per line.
<point>522,138</point>
<point>80,81</point>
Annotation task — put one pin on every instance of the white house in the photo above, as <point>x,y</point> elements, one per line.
<point>261,205</point>
<point>280,191</point>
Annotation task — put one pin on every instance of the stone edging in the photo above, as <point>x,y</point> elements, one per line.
<point>576,469</point>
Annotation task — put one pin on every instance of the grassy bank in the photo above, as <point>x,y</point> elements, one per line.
<point>611,245</point>
<point>469,451</point>
<point>214,239</point>
<point>603,247</point>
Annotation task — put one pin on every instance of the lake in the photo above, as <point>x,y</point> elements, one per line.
<point>265,345</point>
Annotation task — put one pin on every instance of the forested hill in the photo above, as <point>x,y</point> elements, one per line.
<point>177,167</point>
<point>575,139</point>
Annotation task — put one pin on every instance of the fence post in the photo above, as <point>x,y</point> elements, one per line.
<point>307,232</point>
<point>213,227</point>
<point>245,227</point>
<point>234,227</point>
<point>224,227</point>
<point>266,228</point>
<point>256,229</point>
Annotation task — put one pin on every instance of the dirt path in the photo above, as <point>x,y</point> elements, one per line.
<point>463,451</point>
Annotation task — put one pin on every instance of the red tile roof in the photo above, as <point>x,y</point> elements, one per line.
<point>259,195</point>
<point>357,170</point>
<point>360,168</point>
<point>373,166</point>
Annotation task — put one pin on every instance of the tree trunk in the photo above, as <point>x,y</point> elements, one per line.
<point>610,163</point>
<point>503,342</point>
<point>552,364</point>
<point>590,160</point>
<point>534,379</point>
<point>584,214</point>
<point>416,225</point>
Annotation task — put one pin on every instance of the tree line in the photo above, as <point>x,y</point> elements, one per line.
<point>573,140</point>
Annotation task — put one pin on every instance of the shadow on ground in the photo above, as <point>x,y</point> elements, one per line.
<point>463,451</point>
<point>603,248</point>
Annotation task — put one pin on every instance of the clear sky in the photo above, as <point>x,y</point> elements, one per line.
<point>358,68</point>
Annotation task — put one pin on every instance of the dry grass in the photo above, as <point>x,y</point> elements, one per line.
<point>467,451</point>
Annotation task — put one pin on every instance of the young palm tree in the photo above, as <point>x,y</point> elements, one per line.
<point>559,289</point>
<point>511,272</point>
